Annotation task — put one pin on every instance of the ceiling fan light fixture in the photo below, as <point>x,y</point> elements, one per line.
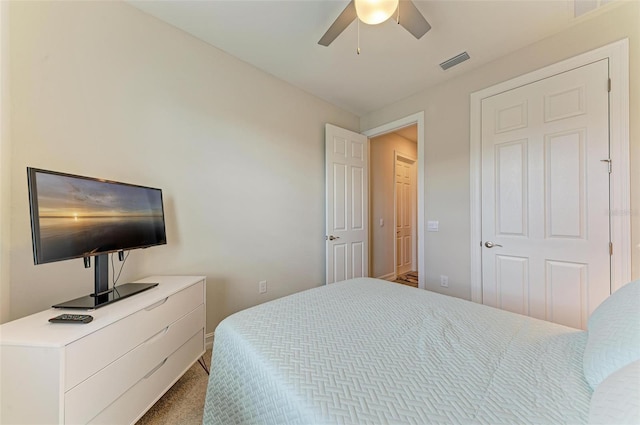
<point>374,12</point>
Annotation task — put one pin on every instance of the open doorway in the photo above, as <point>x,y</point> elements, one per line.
<point>393,210</point>
<point>347,198</point>
<point>394,126</point>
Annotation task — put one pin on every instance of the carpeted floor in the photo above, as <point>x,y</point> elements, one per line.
<point>184,402</point>
<point>409,278</point>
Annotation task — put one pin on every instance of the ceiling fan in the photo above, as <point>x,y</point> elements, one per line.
<point>408,16</point>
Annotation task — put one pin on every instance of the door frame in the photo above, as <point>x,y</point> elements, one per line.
<point>418,119</point>
<point>414,234</point>
<point>617,54</point>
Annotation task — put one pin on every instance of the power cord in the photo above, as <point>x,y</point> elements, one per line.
<point>113,268</point>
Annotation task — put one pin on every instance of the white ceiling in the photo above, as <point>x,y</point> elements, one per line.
<point>280,37</point>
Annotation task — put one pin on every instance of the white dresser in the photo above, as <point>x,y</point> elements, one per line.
<point>109,371</point>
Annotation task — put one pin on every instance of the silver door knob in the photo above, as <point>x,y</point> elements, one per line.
<point>490,244</point>
<point>333,238</point>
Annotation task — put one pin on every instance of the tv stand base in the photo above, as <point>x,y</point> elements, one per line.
<point>93,301</point>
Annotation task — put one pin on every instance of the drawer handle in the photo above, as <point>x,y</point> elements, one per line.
<point>157,336</point>
<point>158,304</point>
<point>155,369</point>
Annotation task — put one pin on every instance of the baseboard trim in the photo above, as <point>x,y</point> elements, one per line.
<point>208,341</point>
<point>390,277</point>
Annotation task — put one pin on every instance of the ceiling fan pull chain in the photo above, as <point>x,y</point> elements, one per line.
<point>358,49</point>
<point>398,15</point>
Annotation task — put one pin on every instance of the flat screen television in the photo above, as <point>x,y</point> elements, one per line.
<point>83,217</point>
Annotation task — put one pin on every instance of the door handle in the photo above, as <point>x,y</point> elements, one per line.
<point>490,244</point>
<point>332,238</point>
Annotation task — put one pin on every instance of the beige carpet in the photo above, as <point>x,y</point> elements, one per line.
<point>184,402</point>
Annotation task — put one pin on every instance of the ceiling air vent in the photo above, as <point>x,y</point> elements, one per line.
<point>454,61</point>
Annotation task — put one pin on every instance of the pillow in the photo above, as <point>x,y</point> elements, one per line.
<point>617,398</point>
<point>613,334</point>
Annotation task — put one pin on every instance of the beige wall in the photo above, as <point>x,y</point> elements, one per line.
<point>101,89</point>
<point>381,199</point>
<point>5,165</point>
<point>446,109</point>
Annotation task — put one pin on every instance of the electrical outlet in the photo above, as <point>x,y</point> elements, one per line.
<point>444,281</point>
<point>262,286</point>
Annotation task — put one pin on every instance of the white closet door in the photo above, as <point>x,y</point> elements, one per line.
<point>404,216</point>
<point>545,197</point>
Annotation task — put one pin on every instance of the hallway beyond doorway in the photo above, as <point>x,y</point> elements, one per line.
<point>409,279</point>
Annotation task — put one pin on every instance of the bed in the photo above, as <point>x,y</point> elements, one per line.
<point>370,351</point>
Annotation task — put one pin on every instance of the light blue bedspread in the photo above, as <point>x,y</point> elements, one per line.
<point>370,351</point>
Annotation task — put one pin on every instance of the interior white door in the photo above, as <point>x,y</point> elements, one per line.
<point>404,215</point>
<point>545,197</point>
<point>347,202</point>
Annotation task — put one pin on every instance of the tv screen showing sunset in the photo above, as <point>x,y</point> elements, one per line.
<point>77,217</point>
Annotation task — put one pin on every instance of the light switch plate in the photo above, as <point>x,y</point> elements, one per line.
<point>432,226</point>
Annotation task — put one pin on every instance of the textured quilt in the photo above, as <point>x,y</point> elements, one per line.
<point>369,351</point>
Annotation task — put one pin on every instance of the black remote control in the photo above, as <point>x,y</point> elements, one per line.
<point>71,318</point>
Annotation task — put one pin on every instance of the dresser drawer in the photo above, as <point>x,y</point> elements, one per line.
<point>134,403</point>
<point>92,353</point>
<point>94,394</point>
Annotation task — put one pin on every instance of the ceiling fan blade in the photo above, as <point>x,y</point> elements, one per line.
<point>340,24</point>
<point>412,20</point>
